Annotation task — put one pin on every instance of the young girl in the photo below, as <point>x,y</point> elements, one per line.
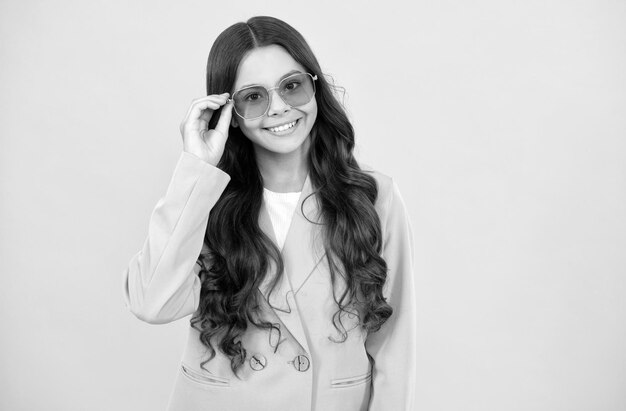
<point>294,259</point>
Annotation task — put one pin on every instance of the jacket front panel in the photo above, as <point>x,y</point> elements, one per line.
<point>336,374</point>
<point>306,367</point>
<point>336,378</point>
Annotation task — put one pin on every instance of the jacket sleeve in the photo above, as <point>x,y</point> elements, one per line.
<point>161,281</point>
<point>393,347</point>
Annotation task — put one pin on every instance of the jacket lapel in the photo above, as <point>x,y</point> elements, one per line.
<point>302,251</point>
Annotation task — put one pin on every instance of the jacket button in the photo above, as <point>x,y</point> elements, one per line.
<point>301,363</point>
<point>257,362</point>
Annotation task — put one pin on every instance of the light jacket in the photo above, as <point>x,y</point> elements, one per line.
<point>307,369</point>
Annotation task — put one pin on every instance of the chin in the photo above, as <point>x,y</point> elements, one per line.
<point>285,146</point>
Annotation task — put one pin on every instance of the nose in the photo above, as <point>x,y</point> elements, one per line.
<point>277,104</point>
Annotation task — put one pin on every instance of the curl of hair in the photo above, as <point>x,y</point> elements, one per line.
<point>240,254</point>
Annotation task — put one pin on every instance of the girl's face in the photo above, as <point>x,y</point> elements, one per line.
<point>267,66</point>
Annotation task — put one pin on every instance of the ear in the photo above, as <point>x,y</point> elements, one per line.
<point>233,122</point>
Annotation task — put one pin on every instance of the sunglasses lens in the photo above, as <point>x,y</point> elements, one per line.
<point>251,102</point>
<point>297,90</point>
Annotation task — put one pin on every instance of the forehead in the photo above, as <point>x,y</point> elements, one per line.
<point>265,66</point>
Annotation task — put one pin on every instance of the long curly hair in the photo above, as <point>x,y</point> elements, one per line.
<point>240,255</point>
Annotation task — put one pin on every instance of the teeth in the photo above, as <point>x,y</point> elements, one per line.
<point>283,127</point>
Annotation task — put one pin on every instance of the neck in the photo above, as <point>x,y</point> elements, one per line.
<point>283,172</point>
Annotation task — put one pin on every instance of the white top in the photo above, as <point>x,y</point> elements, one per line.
<point>280,207</point>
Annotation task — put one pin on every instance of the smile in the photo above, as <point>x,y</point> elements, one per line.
<point>282,127</point>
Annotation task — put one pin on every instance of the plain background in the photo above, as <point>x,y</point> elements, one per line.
<point>503,123</point>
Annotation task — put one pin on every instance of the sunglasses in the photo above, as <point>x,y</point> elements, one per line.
<point>253,102</point>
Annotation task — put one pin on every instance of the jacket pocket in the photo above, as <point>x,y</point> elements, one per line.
<point>205,379</point>
<point>351,381</point>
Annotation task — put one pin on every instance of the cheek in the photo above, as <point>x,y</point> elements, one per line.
<point>312,112</point>
<point>248,128</point>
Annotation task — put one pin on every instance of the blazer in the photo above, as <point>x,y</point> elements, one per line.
<point>305,369</point>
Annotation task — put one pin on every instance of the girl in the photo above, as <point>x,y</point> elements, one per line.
<point>294,259</point>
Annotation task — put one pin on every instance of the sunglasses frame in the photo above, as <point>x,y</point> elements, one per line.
<point>269,94</point>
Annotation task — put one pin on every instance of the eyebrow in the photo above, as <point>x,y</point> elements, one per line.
<point>279,80</point>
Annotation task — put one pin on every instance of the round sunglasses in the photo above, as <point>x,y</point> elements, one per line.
<point>252,102</point>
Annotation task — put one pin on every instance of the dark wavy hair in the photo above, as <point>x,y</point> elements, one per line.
<point>240,254</point>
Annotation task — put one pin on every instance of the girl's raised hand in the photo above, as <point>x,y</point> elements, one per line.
<point>197,138</point>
